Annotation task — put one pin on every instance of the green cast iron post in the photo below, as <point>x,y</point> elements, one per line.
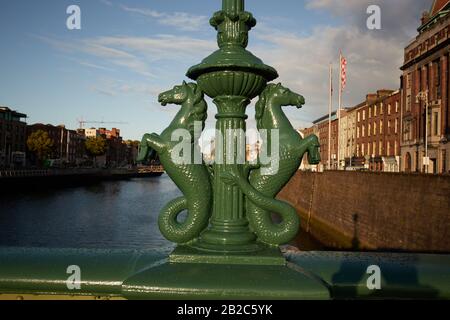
<point>231,76</point>
<point>230,204</point>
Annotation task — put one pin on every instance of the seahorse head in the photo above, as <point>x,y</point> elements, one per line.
<point>275,95</point>
<point>193,105</point>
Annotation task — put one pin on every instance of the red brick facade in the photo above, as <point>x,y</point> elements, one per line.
<point>12,137</point>
<point>378,130</point>
<point>68,145</point>
<point>321,129</point>
<point>426,70</point>
<point>376,142</point>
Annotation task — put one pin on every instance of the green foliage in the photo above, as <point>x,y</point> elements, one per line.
<point>40,143</point>
<point>96,146</point>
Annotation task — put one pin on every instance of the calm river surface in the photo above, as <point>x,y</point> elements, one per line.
<point>118,214</point>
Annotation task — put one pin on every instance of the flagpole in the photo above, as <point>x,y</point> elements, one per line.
<point>339,111</point>
<point>329,116</point>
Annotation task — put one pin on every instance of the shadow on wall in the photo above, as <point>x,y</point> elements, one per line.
<point>355,239</point>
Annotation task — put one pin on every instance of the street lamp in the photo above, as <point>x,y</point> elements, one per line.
<point>423,96</point>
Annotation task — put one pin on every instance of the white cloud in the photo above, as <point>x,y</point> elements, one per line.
<point>114,87</point>
<point>141,55</point>
<point>94,66</point>
<point>374,57</point>
<point>180,20</point>
<point>106,2</point>
<point>145,12</point>
<point>399,18</point>
<point>303,63</point>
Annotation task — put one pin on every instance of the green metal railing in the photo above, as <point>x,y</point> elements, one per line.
<point>148,274</point>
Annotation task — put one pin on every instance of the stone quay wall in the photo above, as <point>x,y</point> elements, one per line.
<point>373,211</point>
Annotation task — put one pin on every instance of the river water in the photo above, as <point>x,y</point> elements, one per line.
<point>109,215</point>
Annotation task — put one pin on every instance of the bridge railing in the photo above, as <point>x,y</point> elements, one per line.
<point>46,273</point>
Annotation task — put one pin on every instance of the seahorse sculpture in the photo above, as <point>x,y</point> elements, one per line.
<point>192,179</point>
<point>267,181</point>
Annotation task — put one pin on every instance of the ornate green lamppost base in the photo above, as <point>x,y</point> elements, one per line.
<point>228,244</point>
<point>260,255</point>
<point>224,281</point>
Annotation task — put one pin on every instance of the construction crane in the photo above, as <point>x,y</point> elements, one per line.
<point>82,122</point>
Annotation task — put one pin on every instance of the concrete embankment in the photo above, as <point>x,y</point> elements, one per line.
<point>374,211</point>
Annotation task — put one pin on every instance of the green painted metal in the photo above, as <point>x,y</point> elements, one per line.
<point>149,274</point>
<point>189,177</point>
<point>267,181</point>
<point>44,271</point>
<point>229,210</point>
<point>403,276</point>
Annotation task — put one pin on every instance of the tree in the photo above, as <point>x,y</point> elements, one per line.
<point>41,144</point>
<point>96,147</point>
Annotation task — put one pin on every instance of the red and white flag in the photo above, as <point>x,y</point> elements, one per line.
<point>343,72</point>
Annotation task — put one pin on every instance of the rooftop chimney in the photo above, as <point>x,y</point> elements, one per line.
<point>425,17</point>
<point>371,98</point>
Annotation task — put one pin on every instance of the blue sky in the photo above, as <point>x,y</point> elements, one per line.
<point>130,50</point>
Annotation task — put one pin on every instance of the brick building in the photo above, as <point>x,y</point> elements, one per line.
<point>369,134</point>
<point>426,71</point>
<point>12,138</point>
<point>117,153</point>
<point>68,145</point>
<point>321,129</point>
<point>116,149</point>
<point>378,132</point>
<point>347,137</point>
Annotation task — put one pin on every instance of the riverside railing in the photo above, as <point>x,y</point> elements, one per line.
<point>45,172</point>
<point>78,171</point>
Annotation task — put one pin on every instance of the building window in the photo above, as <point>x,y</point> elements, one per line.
<point>395,148</point>
<point>381,109</point>
<point>362,150</point>
<point>389,126</point>
<point>407,131</point>
<point>369,131</point>
<point>364,115</point>
<point>374,128</point>
<point>357,132</point>
<point>388,148</point>
<point>381,148</point>
<point>408,80</point>
<point>396,126</point>
<point>389,109</point>
<point>396,106</point>
<point>374,148</point>
<point>436,123</point>
<point>438,79</point>
<point>408,103</point>
<point>370,112</point>
<point>359,119</point>
<point>363,131</point>
<point>381,126</point>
